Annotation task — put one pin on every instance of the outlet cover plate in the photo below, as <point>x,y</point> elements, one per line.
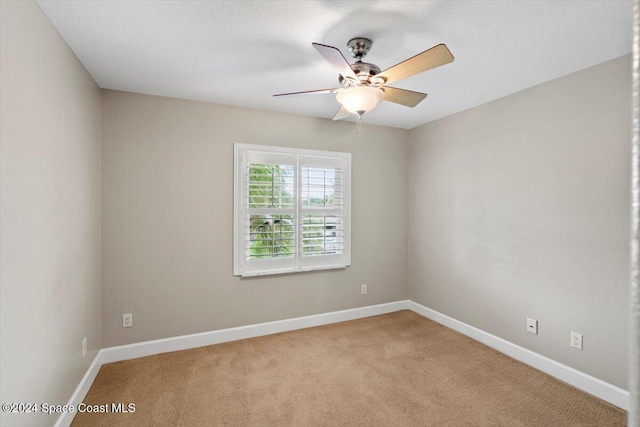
<point>576,340</point>
<point>532,326</point>
<point>127,320</point>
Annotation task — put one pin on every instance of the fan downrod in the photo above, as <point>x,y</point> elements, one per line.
<point>359,47</point>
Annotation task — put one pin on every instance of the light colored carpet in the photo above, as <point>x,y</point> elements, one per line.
<point>398,369</point>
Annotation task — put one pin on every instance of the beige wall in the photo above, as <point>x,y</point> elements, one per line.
<point>49,213</point>
<point>168,226</point>
<point>520,208</point>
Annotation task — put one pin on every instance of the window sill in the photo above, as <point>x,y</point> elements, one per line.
<point>292,270</point>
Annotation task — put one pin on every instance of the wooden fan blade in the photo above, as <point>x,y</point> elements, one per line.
<point>309,92</point>
<point>431,58</point>
<point>405,97</point>
<point>341,114</point>
<point>335,58</point>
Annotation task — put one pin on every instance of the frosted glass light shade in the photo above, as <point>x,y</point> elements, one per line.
<point>360,99</point>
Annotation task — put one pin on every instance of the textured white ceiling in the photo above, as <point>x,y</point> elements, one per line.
<point>242,52</point>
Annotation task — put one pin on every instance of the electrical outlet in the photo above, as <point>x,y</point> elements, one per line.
<point>364,289</point>
<point>84,346</point>
<point>576,340</point>
<point>127,320</point>
<point>532,326</point>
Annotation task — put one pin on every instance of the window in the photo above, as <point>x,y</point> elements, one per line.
<point>291,210</point>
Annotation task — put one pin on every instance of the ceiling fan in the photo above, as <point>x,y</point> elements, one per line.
<point>363,86</point>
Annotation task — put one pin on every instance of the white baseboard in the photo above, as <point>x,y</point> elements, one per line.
<point>65,418</point>
<point>580,380</point>
<point>147,348</point>
<point>603,390</point>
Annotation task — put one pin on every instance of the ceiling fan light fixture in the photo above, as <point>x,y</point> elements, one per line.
<point>360,99</point>
<point>364,86</point>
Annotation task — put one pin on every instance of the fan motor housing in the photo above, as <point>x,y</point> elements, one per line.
<point>364,70</point>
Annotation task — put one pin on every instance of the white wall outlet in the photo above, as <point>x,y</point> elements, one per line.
<point>84,346</point>
<point>576,340</point>
<point>363,289</point>
<point>532,326</point>
<point>127,320</point>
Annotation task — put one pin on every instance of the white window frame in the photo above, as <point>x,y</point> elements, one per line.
<point>303,157</point>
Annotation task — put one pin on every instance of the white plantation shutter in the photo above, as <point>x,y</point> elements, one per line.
<point>291,210</point>
<point>268,212</point>
<point>321,211</point>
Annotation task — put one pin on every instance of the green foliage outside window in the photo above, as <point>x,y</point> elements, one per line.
<point>271,186</point>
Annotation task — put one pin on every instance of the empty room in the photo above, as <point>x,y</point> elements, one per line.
<point>319,213</point>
